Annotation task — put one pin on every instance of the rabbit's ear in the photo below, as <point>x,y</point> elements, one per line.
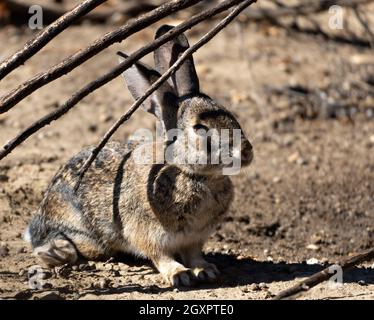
<point>184,80</point>
<point>163,103</point>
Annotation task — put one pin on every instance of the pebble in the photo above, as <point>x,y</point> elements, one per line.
<point>277,179</point>
<point>103,283</point>
<point>23,273</point>
<point>312,261</point>
<point>116,273</point>
<point>293,157</point>
<point>255,287</point>
<point>4,249</point>
<point>312,246</point>
<point>362,283</point>
<point>262,285</point>
<point>301,161</point>
<point>45,275</point>
<point>21,250</point>
<point>108,267</point>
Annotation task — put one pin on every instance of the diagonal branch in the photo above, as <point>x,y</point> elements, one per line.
<point>25,89</point>
<point>205,39</point>
<point>94,85</point>
<point>364,24</point>
<point>45,36</point>
<point>324,275</point>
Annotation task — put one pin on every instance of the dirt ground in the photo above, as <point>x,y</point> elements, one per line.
<point>307,106</point>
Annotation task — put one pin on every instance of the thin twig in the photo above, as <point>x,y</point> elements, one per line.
<point>94,85</point>
<point>45,36</point>
<point>205,39</point>
<point>325,274</point>
<point>51,12</point>
<point>364,24</point>
<point>70,63</point>
<point>303,9</point>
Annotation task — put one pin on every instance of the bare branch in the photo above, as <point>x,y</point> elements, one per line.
<point>205,39</point>
<point>364,24</point>
<point>94,85</point>
<point>325,274</point>
<point>53,11</point>
<point>45,36</point>
<point>306,8</point>
<point>25,89</point>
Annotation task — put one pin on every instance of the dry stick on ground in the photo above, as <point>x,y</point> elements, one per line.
<point>205,39</point>
<point>45,36</point>
<point>94,85</point>
<point>325,274</point>
<point>25,89</point>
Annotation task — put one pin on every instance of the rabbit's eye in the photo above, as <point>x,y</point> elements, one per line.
<point>198,127</point>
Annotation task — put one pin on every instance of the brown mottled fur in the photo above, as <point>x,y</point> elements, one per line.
<point>163,212</point>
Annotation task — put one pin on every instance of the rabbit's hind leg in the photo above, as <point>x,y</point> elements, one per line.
<point>57,252</point>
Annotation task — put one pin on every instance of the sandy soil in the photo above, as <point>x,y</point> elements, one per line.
<point>308,194</point>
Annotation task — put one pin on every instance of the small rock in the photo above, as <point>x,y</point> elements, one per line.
<point>312,246</point>
<point>255,287</point>
<point>45,274</point>
<point>176,290</point>
<point>362,283</point>
<point>116,273</point>
<point>312,261</point>
<point>23,273</point>
<point>21,250</point>
<point>123,266</point>
<point>103,283</point>
<point>301,161</point>
<point>4,249</point>
<point>277,179</point>
<point>74,268</point>
<point>63,271</point>
<point>108,267</point>
<point>293,157</point>
<point>262,285</point>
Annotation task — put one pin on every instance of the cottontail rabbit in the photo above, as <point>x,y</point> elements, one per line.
<point>160,211</point>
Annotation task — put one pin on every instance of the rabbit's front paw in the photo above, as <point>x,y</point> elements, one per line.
<point>181,277</point>
<point>206,272</point>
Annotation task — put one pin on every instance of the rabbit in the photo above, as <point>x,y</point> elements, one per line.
<point>163,212</point>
